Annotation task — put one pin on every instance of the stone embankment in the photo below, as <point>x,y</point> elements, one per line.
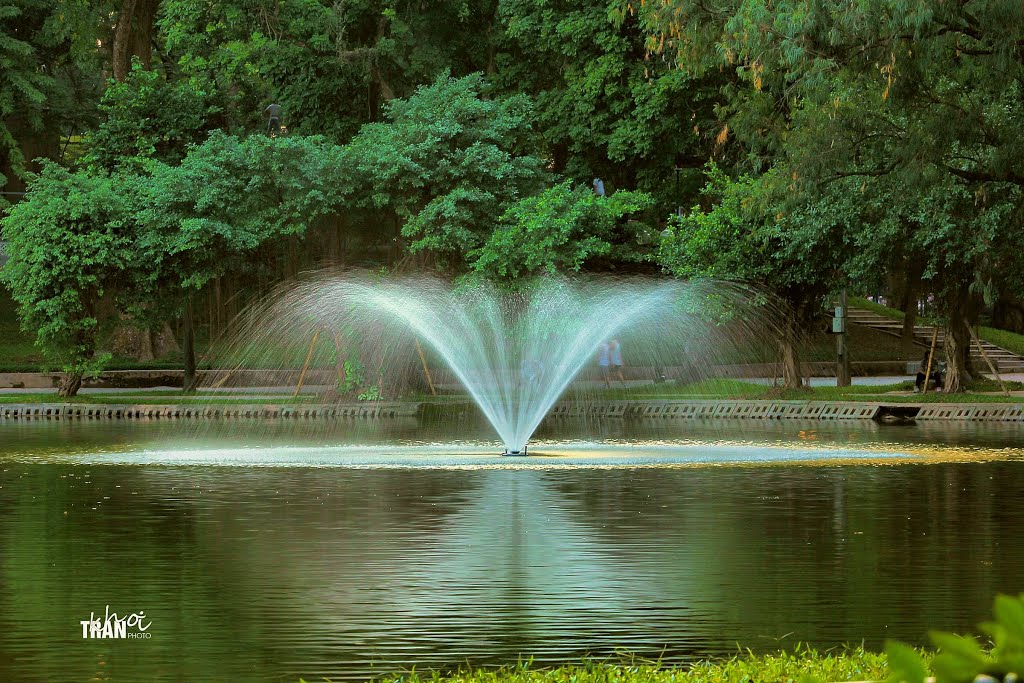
<point>665,409</point>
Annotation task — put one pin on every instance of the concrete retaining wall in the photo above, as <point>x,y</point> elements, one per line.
<point>983,412</point>
<point>70,411</point>
<point>764,410</point>
<point>786,410</point>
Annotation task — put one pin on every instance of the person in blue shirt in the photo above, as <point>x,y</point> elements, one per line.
<point>616,357</point>
<point>598,187</point>
<point>603,361</point>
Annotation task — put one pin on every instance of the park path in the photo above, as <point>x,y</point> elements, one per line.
<point>1005,361</point>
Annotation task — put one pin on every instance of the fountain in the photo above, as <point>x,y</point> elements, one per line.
<point>514,352</point>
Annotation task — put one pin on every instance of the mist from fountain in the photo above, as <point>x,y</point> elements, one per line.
<point>515,352</point>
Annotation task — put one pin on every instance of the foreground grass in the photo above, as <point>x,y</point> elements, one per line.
<point>852,664</point>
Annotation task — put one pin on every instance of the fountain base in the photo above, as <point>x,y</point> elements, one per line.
<point>522,452</point>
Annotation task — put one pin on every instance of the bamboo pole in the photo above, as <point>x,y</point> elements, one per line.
<point>426,368</point>
<point>931,356</point>
<point>339,362</point>
<point>305,366</point>
<point>991,365</point>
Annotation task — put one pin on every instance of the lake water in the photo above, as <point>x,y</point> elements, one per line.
<point>268,551</point>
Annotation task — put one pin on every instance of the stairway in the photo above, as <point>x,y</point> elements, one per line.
<point>1005,361</point>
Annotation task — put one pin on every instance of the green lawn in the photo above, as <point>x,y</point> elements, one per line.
<point>158,398</point>
<point>1011,341</point>
<point>733,389</point>
<point>869,305</point>
<point>982,391</point>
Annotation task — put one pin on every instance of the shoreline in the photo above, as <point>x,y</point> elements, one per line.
<point>667,409</point>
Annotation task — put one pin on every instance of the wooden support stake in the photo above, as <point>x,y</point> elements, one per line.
<point>227,375</point>
<point>309,357</point>
<point>991,365</point>
<point>426,369</point>
<point>931,355</point>
<point>339,362</point>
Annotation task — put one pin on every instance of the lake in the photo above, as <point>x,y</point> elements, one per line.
<point>267,551</point>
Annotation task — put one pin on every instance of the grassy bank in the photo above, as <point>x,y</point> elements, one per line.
<point>163,398</point>
<point>1011,341</point>
<point>983,391</point>
<point>853,664</point>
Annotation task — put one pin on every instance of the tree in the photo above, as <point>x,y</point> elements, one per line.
<point>561,230</point>
<point>48,81</point>
<point>448,162</point>
<point>72,246</point>
<point>331,66</point>
<point>133,35</point>
<point>222,210</point>
<point>748,236</point>
<point>922,97</point>
<point>602,109</point>
<point>148,116</point>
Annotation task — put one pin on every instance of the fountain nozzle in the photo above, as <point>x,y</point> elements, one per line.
<point>522,452</point>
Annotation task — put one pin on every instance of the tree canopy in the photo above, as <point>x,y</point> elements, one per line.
<point>872,144</point>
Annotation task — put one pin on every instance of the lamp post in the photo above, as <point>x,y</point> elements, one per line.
<point>842,352</point>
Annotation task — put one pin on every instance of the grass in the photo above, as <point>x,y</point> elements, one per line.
<point>158,398</point>
<point>981,391</point>
<point>732,389</point>
<point>847,664</point>
<point>1011,341</point>
<point>869,305</point>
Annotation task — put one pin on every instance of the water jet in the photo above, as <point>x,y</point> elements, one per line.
<point>513,351</point>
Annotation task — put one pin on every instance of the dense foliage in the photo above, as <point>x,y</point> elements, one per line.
<point>871,145</point>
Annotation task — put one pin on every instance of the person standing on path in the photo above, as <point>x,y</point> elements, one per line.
<point>273,111</point>
<point>603,361</point>
<point>616,354</point>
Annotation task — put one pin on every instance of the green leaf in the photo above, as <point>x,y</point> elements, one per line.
<point>963,647</point>
<point>905,663</point>
<point>1009,613</point>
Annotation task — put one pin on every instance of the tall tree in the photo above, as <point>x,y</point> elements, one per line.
<point>449,161</point>
<point>604,109</point>
<point>750,235</point>
<point>71,245</point>
<point>49,78</point>
<point>133,36</point>
<point>919,96</point>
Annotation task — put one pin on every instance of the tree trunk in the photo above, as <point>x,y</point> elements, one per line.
<point>69,384</point>
<point>957,345</point>
<point>189,349</point>
<point>791,378</point>
<point>908,304</point>
<point>133,36</point>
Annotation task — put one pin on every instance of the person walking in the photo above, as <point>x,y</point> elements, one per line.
<point>603,361</point>
<point>616,357</point>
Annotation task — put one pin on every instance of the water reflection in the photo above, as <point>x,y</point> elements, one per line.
<point>268,574</point>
